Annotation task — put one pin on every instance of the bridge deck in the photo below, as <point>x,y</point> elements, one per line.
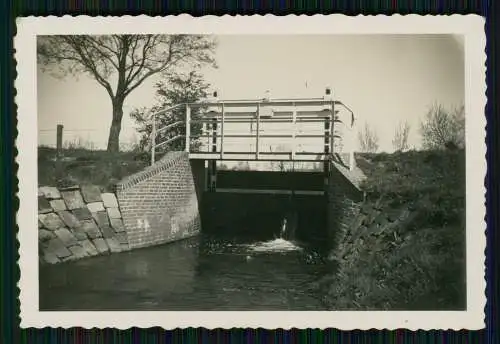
<point>263,156</point>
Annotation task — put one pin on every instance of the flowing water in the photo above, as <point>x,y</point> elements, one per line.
<point>213,271</point>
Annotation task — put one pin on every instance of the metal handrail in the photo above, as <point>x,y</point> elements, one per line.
<point>272,102</point>
<point>221,116</point>
<point>169,140</point>
<point>171,125</point>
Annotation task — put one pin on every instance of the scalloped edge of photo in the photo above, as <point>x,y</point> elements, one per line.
<point>470,26</point>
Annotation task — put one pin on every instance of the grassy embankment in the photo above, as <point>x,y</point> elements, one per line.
<point>420,263</point>
<point>83,166</point>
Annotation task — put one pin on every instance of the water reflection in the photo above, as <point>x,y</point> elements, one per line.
<point>203,273</point>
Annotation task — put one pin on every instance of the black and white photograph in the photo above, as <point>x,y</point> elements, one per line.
<point>217,168</point>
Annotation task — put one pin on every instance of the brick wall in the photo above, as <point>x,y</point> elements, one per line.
<point>159,204</point>
<point>344,201</point>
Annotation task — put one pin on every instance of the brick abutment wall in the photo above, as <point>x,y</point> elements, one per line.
<point>160,204</point>
<point>78,222</point>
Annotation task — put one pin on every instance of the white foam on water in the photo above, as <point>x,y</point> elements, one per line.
<point>276,245</point>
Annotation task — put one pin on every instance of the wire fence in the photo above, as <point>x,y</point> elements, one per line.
<point>88,139</point>
<point>74,156</point>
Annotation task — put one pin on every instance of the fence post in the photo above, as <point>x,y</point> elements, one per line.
<point>188,128</point>
<point>257,133</point>
<point>222,132</point>
<point>59,151</point>
<point>153,140</point>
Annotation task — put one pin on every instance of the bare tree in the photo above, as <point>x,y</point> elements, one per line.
<point>368,139</point>
<point>126,59</point>
<point>400,140</point>
<point>443,128</point>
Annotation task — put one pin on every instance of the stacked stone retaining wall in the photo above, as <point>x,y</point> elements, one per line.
<point>354,221</point>
<point>78,222</point>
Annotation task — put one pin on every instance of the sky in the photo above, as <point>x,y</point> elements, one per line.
<point>384,79</point>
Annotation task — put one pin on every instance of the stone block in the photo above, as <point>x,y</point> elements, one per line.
<point>49,192</point>
<point>70,188</point>
<point>94,207</point>
<point>114,245</point>
<point>50,258</point>
<point>371,217</point>
<point>43,205</point>
<point>366,208</point>
<point>69,219</point>
<point>109,200</point>
<point>117,225</point>
<point>91,193</point>
<point>78,251</point>
<point>57,247</point>
<point>66,236</point>
<point>58,205</point>
<point>405,214</point>
<point>45,235</point>
<point>89,248</point>
<point>69,258</point>
<point>393,214</point>
<point>381,219</point>
<point>124,247</point>
<point>51,221</point>
<point>79,233</point>
<point>90,227</point>
<point>73,199</point>
<point>358,233</point>
<point>114,213</point>
<point>40,224</point>
<point>358,221</point>
<point>122,238</point>
<point>387,227</point>
<point>101,217</point>
<point>82,214</point>
<point>374,228</point>
<point>100,245</point>
<point>107,232</point>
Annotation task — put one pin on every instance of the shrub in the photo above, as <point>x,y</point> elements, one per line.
<point>417,264</point>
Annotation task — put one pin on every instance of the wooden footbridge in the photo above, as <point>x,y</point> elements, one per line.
<point>252,130</point>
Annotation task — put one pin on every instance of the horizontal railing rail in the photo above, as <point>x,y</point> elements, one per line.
<point>214,117</point>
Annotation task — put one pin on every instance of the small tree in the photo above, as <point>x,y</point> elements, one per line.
<point>442,128</point>
<point>175,89</point>
<point>400,140</point>
<point>368,139</point>
<point>128,60</point>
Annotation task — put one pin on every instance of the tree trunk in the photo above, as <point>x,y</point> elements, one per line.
<point>116,126</point>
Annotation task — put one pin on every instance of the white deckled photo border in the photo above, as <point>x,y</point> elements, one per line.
<point>470,26</point>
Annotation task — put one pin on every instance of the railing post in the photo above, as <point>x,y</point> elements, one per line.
<point>332,133</point>
<point>153,140</point>
<point>257,133</point>
<point>326,149</point>
<point>187,148</point>
<point>222,132</point>
<point>294,128</point>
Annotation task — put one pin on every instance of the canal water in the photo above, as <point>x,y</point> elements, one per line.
<point>266,268</point>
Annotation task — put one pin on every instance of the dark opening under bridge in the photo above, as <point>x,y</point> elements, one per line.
<point>306,130</point>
